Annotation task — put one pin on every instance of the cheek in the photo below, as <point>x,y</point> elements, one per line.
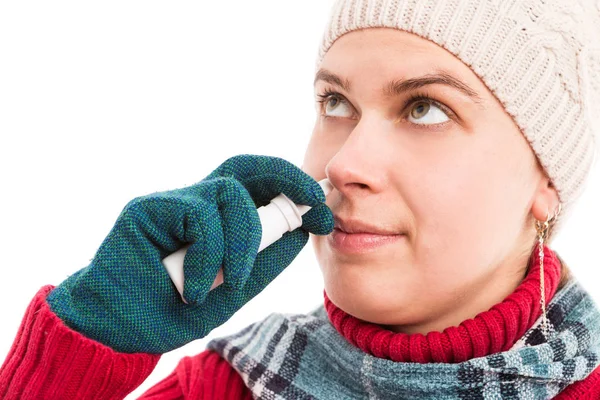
<point>455,197</point>
<point>468,211</point>
<point>464,205</point>
<point>495,190</point>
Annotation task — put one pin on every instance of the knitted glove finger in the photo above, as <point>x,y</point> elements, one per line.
<point>266,177</point>
<point>236,224</point>
<point>222,302</point>
<point>159,223</point>
<point>271,261</point>
<point>280,176</point>
<point>318,220</point>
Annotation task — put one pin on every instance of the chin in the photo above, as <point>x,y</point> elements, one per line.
<point>372,303</point>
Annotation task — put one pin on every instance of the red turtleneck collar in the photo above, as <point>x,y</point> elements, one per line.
<point>489,332</point>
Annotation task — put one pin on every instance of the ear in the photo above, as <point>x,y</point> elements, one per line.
<point>546,200</point>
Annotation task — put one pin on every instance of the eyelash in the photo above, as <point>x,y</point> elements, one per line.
<point>415,97</point>
<point>327,94</point>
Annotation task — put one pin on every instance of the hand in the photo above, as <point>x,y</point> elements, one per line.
<point>125,298</point>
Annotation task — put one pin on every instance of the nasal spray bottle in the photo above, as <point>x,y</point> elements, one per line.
<point>281,215</point>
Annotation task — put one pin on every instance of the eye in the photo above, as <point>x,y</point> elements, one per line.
<point>427,112</point>
<point>332,104</point>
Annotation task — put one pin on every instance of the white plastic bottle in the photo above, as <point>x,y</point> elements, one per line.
<point>281,215</point>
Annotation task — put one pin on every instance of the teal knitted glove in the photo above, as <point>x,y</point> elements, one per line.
<point>125,298</point>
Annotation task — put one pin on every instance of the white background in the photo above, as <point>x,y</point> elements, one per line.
<point>103,102</point>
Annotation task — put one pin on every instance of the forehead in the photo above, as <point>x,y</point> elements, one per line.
<point>384,53</point>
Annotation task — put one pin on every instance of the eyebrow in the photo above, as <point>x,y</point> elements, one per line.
<point>398,87</point>
<point>329,77</point>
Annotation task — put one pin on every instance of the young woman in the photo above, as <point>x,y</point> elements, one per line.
<point>457,136</point>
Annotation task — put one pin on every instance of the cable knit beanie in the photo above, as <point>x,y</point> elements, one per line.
<point>540,58</point>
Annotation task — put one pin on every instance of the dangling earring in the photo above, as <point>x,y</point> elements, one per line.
<point>543,228</point>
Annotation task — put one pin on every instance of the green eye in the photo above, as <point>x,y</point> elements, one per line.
<point>333,105</point>
<point>421,110</point>
<point>427,113</point>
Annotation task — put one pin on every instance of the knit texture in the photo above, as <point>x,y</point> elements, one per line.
<point>125,298</point>
<point>206,376</point>
<point>48,360</point>
<point>540,58</point>
<point>60,365</point>
<point>292,356</point>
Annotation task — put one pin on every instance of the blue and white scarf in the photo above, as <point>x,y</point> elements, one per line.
<point>304,357</point>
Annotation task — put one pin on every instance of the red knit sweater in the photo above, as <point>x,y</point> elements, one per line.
<point>50,361</point>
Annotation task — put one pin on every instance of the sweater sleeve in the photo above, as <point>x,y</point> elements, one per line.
<point>49,360</point>
<point>206,376</point>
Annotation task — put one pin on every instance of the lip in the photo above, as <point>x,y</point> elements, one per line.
<point>354,236</point>
<point>356,243</point>
<point>358,226</point>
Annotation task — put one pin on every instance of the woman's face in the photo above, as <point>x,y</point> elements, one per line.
<point>416,145</point>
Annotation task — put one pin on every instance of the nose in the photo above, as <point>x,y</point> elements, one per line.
<point>358,167</point>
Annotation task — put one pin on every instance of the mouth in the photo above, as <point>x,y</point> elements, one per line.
<point>355,236</point>
<point>356,243</point>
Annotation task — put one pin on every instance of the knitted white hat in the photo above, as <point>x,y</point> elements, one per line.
<point>540,58</point>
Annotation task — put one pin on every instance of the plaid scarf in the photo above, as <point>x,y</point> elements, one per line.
<point>304,357</point>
